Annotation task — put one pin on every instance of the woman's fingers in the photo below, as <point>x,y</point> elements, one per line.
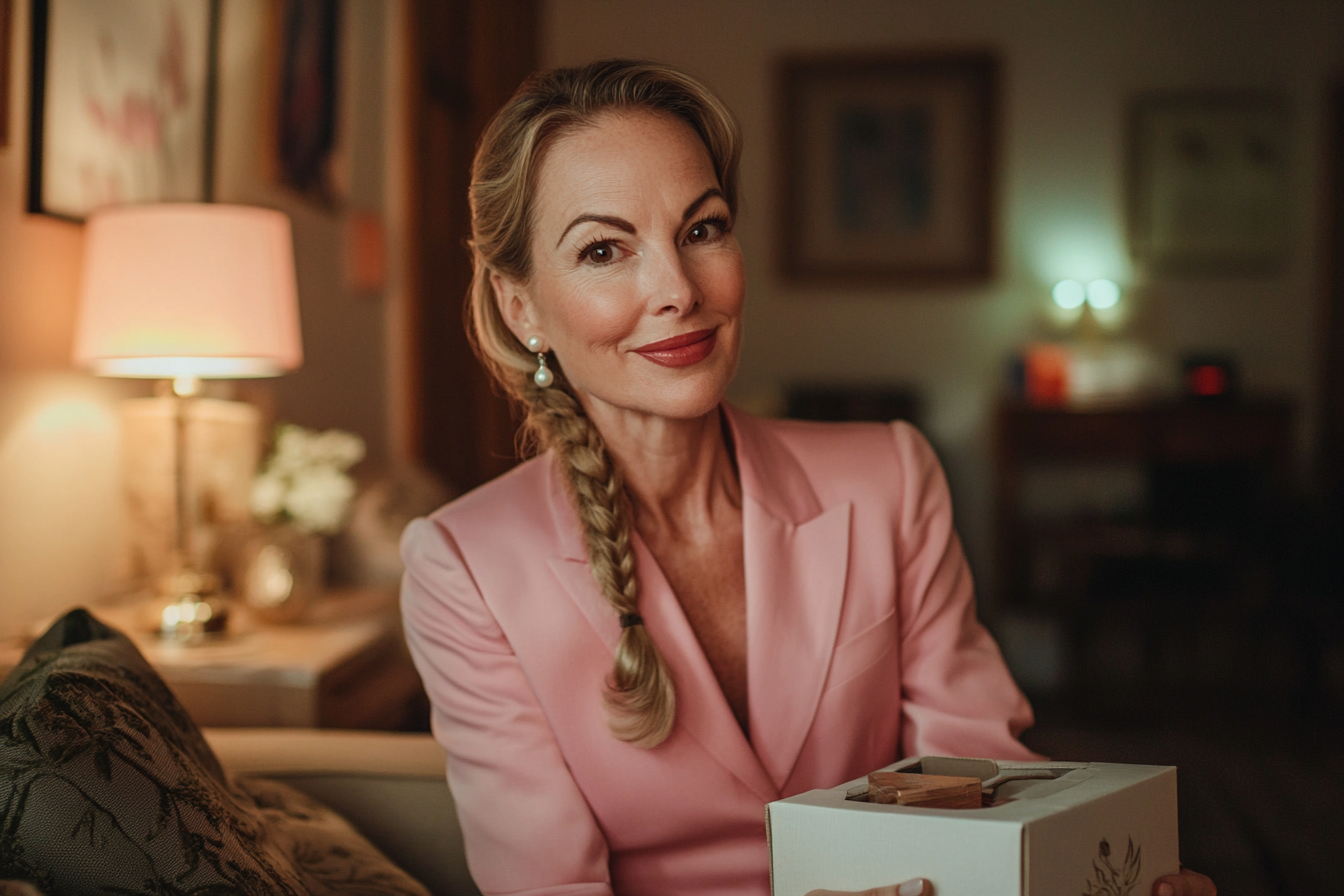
<point>1187,883</point>
<point>917,887</point>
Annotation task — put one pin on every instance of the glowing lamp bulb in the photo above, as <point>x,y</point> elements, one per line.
<point>1069,294</point>
<point>1103,294</point>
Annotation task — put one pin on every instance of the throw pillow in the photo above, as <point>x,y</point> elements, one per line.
<point>106,786</point>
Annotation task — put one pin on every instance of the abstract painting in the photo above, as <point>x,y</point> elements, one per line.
<point>122,103</point>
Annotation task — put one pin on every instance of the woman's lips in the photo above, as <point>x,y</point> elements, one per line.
<point>680,351</point>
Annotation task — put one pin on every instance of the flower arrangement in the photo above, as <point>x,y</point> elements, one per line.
<point>304,481</point>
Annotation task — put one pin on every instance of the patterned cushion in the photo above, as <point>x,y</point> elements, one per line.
<point>106,786</point>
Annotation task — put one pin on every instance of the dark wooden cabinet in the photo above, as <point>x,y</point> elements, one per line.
<point>1170,589</point>
<point>1209,469</point>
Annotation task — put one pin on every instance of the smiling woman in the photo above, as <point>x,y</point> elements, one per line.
<point>677,613</point>
<point>645,269</point>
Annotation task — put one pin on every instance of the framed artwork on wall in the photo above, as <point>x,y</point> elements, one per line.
<point>1209,182</point>
<point>888,169</point>
<point>306,123</point>
<point>6,18</point>
<point>122,103</point>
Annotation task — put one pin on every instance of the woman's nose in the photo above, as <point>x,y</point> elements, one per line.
<point>669,287</point>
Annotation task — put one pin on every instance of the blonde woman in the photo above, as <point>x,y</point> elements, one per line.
<point>677,612</point>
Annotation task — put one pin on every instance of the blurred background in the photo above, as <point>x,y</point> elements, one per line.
<point>1133,373</point>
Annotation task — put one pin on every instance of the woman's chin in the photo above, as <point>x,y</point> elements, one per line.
<point>686,396</point>
<point>678,401</point>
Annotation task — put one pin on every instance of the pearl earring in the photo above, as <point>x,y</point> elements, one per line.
<point>543,377</point>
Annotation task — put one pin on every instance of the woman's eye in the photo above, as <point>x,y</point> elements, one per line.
<point>705,231</point>
<point>600,253</point>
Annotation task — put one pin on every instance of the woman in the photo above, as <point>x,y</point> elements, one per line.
<point>787,604</point>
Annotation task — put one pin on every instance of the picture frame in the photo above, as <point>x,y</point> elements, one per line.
<point>307,99</point>
<point>6,24</point>
<point>122,103</point>
<point>888,168</point>
<point>1209,182</point>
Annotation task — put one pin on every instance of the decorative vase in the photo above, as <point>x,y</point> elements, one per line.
<point>280,573</point>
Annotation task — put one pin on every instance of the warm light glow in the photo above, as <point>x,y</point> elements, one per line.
<point>1103,294</point>
<point>172,368</point>
<point>1069,294</point>
<point>60,488</point>
<point>70,418</point>
<point>188,289</point>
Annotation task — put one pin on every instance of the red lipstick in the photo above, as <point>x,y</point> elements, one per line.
<point>680,351</point>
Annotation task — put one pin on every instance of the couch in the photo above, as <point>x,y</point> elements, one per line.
<point>390,786</point>
<point>108,786</point>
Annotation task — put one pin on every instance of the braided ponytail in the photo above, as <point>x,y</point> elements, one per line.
<point>640,700</point>
<point>641,703</point>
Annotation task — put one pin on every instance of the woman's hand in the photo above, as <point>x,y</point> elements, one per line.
<point>920,887</point>
<point>1187,883</point>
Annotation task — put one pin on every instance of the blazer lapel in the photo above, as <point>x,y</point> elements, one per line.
<point>797,560</point>
<point>702,709</point>
<point>795,587</point>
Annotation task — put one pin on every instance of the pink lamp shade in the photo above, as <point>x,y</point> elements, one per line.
<point>188,290</point>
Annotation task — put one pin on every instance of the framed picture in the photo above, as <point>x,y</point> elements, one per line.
<point>306,126</point>
<point>6,18</point>
<point>888,168</point>
<point>122,103</point>
<point>1209,182</point>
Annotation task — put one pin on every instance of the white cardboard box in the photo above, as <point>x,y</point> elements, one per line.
<point>1041,838</point>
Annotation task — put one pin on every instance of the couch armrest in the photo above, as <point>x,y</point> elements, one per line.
<point>390,786</point>
<point>266,752</point>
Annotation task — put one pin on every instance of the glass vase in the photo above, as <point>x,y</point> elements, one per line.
<point>281,573</point>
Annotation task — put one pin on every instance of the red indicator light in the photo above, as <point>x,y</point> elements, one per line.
<point>1207,380</point>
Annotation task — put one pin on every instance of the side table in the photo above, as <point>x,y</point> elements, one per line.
<point>346,666</point>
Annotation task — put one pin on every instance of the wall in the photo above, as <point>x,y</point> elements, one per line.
<point>342,382</point>
<point>60,506</point>
<point>1069,68</point>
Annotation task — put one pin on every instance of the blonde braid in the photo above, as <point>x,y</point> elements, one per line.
<point>641,702</point>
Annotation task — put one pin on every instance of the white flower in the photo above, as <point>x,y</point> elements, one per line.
<point>319,498</point>
<point>304,481</point>
<point>293,449</point>
<point>268,496</point>
<point>341,450</point>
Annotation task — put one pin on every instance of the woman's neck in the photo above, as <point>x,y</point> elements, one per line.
<point>679,473</point>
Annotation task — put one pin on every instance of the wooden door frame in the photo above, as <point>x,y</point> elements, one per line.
<point>468,57</point>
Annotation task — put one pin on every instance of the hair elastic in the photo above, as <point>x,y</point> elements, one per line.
<point>630,619</point>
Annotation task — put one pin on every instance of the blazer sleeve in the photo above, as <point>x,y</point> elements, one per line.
<point>958,698</point>
<point>526,826</point>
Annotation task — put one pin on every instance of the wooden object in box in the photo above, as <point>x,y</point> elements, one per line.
<point>924,791</point>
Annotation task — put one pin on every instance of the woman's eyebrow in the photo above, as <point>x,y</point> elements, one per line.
<point>609,220</point>
<point>622,224</point>
<point>699,201</point>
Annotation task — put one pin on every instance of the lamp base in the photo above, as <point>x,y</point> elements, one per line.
<point>193,611</point>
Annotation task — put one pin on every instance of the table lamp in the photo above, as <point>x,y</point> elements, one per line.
<point>184,292</point>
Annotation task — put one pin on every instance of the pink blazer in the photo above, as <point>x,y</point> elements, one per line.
<point>862,647</point>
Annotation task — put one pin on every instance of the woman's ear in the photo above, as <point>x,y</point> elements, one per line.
<point>515,306</point>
